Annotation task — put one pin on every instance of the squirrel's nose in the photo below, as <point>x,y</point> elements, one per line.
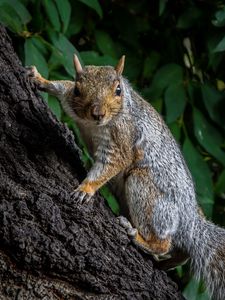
<point>97,113</point>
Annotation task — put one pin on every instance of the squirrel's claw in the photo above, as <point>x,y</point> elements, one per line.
<point>125,223</point>
<point>32,72</point>
<point>80,196</point>
<point>35,76</point>
<point>162,257</point>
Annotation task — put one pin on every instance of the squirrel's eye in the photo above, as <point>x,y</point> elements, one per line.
<point>118,90</point>
<point>76,92</point>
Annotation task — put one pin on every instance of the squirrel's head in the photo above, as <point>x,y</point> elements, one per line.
<point>98,92</point>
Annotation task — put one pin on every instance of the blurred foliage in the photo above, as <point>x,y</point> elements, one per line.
<point>175,56</point>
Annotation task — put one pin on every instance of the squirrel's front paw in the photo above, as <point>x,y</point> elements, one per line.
<point>81,196</point>
<point>35,77</point>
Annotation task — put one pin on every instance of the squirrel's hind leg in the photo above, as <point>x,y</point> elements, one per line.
<point>151,211</point>
<point>167,261</point>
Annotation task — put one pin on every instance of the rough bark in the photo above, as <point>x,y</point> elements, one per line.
<point>50,248</point>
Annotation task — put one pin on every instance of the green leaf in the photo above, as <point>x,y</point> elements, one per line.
<point>58,75</point>
<point>39,20</point>
<point>201,175</point>
<point>105,43</point>
<point>133,66</point>
<point>208,136</point>
<point>76,23</point>
<point>219,20</point>
<point>64,10</point>
<point>21,10</point>
<point>18,8</point>
<point>213,100</point>
<point>194,291</point>
<point>52,13</point>
<point>191,290</point>
<point>180,271</point>
<point>67,50</point>
<point>44,96</point>
<point>203,296</point>
<point>41,44</point>
<point>53,103</point>
<point>157,104</point>
<point>93,58</point>
<point>34,57</point>
<point>94,4</point>
<point>220,184</point>
<point>111,200</point>
<point>165,76</point>
<point>168,74</point>
<point>10,18</point>
<point>150,64</point>
<point>176,130</point>
<point>215,58</point>
<point>175,101</point>
<point>220,46</point>
<point>162,6</point>
<point>189,18</point>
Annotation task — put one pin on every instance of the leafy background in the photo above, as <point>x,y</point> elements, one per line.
<point>175,57</point>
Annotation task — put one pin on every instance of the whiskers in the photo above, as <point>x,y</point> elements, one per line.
<point>77,105</point>
<point>78,108</point>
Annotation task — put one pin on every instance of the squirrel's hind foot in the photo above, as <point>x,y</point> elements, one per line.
<point>154,246</point>
<point>125,223</point>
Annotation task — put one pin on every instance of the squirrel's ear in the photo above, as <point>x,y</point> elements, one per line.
<point>77,65</point>
<point>120,65</point>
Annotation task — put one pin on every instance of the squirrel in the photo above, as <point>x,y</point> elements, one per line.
<point>135,151</point>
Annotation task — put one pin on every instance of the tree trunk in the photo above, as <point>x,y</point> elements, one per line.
<point>51,248</point>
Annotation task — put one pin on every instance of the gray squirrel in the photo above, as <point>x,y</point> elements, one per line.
<point>134,150</point>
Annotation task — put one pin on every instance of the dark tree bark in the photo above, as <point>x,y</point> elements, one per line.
<point>50,248</point>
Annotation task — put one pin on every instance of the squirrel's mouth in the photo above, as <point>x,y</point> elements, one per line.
<point>102,122</point>
<point>93,122</point>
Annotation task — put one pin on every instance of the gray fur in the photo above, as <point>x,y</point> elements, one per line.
<point>176,211</point>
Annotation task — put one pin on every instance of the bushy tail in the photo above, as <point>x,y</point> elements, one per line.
<point>207,251</point>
